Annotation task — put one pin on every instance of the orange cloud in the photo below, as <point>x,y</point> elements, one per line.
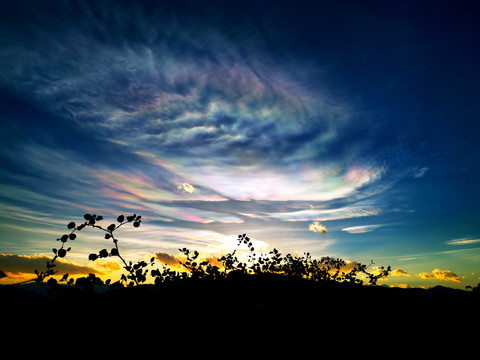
<point>402,286</point>
<point>399,272</point>
<point>108,266</point>
<point>438,274</point>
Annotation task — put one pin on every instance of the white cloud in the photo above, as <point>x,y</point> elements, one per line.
<point>186,187</point>
<point>317,227</point>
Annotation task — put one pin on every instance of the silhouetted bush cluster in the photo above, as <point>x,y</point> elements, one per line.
<point>265,293</point>
<point>324,270</point>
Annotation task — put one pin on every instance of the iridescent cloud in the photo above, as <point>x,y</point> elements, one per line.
<point>181,126</point>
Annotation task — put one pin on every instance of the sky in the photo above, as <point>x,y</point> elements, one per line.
<point>212,119</point>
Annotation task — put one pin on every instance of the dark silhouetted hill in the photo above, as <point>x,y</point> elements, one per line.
<point>253,303</point>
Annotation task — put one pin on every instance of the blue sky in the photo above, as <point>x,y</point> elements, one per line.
<point>212,119</point>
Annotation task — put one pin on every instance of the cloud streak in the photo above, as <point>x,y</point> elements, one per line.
<point>361,229</point>
<point>462,241</point>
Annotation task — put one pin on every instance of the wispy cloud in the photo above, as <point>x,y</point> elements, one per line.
<point>326,214</point>
<point>361,229</point>
<point>420,172</point>
<point>462,241</point>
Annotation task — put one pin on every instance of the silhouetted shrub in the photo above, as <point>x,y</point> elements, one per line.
<point>264,289</point>
<point>324,270</point>
<point>474,289</point>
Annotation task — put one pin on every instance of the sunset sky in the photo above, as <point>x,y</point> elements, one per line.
<point>217,118</point>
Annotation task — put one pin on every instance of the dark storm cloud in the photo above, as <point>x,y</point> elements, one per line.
<point>167,259</point>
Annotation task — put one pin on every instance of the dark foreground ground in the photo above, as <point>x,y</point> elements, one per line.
<point>215,309</point>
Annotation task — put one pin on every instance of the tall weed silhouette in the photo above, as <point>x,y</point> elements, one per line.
<point>136,273</point>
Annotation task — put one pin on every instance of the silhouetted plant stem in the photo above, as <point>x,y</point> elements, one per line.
<point>136,273</point>
<point>116,251</point>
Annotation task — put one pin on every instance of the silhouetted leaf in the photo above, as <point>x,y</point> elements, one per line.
<point>121,218</point>
<point>71,225</point>
<point>64,238</point>
<point>107,236</point>
<point>136,224</point>
<point>99,218</point>
<point>62,253</point>
<point>87,216</point>
<point>72,236</point>
<point>93,257</point>
<point>111,227</point>
<point>103,253</point>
